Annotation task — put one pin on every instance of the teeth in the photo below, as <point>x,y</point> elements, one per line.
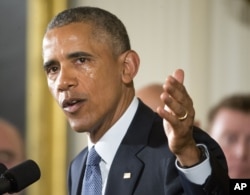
<point>73,102</point>
<point>70,103</point>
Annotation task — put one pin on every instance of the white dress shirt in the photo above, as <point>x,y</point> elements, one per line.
<point>107,146</point>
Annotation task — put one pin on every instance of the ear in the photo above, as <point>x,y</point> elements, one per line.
<point>131,62</point>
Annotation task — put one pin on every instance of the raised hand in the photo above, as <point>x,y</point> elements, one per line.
<point>178,115</point>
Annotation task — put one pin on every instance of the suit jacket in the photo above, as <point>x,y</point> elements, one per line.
<point>144,153</point>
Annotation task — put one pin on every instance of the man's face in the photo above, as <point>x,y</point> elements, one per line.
<point>83,76</point>
<point>11,145</point>
<point>231,129</point>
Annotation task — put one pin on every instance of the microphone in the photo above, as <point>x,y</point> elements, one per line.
<point>19,177</point>
<point>3,168</point>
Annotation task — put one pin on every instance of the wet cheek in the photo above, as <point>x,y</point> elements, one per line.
<point>89,72</point>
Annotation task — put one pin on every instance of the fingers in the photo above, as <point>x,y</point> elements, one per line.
<point>178,113</point>
<point>176,98</point>
<point>179,75</point>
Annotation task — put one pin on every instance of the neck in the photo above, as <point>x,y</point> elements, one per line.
<point>109,120</point>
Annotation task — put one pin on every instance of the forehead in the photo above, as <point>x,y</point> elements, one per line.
<point>228,114</point>
<point>72,32</point>
<point>232,120</point>
<point>74,37</point>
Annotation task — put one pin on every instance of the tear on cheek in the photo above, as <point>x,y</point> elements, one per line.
<point>89,72</point>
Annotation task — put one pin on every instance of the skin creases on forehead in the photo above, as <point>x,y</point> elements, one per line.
<point>79,35</point>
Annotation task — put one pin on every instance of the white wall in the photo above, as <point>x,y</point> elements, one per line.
<point>205,38</point>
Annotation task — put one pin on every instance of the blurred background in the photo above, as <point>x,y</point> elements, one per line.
<point>209,39</point>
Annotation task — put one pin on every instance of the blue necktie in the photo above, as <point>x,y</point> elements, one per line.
<point>92,182</point>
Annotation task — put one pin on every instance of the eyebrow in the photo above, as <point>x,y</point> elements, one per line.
<point>48,64</point>
<point>4,154</point>
<point>69,56</point>
<point>78,54</point>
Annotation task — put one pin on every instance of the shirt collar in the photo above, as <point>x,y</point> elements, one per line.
<point>107,146</point>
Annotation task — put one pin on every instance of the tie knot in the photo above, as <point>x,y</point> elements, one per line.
<point>93,157</point>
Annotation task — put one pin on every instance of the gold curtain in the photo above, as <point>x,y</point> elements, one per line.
<point>46,124</point>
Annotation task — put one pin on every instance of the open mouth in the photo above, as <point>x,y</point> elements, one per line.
<point>72,105</point>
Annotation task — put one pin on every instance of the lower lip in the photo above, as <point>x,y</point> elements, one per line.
<point>74,108</point>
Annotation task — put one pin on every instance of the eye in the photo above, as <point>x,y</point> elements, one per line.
<point>7,157</point>
<point>231,139</point>
<point>82,60</point>
<point>52,69</point>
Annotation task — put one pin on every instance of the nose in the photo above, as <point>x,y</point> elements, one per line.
<point>66,79</point>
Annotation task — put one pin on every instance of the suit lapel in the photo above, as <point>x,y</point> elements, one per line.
<point>77,171</point>
<point>124,173</point>
<point>127,166</point>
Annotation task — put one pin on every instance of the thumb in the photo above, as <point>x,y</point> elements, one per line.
<point>179,75</point>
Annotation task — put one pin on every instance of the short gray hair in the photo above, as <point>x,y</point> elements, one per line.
<point>106,26</point>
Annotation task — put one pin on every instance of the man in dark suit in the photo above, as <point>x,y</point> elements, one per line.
<point>90,69</point>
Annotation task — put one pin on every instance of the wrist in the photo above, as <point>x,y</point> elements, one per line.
<point>202,157</point>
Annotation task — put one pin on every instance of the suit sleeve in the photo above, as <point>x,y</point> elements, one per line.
<point>217,183</point>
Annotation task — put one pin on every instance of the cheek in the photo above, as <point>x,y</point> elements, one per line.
<point>89,72</point>
<point>51,86</point>
<point>230,152</point>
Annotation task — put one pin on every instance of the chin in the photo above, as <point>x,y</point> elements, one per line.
<point>239,175</point>
<point>78,129</point>
<point>76,126</point>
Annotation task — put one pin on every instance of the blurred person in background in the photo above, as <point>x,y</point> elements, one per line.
<point>229,125</point>
<point>150,95</point>
<point>12,151</point>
